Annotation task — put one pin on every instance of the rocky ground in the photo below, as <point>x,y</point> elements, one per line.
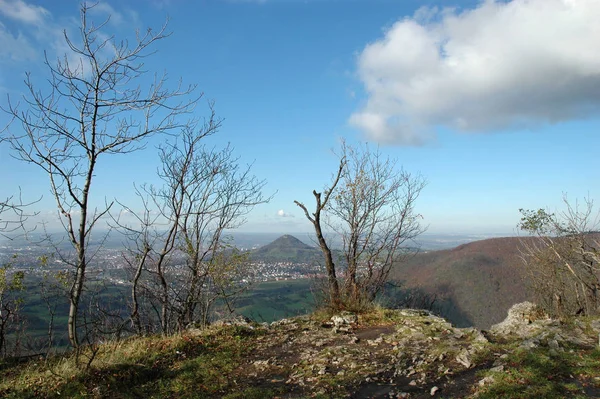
<point>406,354</point>
<point>383,354</point>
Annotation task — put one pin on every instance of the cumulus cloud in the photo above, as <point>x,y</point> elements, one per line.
<point>283,214</point>
<point>15,47</point>
<point>30,30</point>
<point>23,12</point>
<point>522,63</point>
<point>107,11</point>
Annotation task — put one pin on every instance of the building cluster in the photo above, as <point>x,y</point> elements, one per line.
<point>110,265</point>
<point>275,271</point>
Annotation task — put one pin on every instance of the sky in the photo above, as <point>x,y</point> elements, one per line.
<point>495,103</point>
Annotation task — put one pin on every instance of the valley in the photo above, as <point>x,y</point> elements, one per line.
<point>472,284</point>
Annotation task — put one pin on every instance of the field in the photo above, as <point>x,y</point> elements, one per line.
<point>275,300</point>
<point>264,302</point>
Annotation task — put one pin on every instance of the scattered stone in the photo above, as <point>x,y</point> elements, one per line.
<point>421,349</point>
<point>415,312</point>
<point>486,381</point>
<point>530,344</point>
<point>342,329</point>
<point>595,325</point>
<point>239,321</point>
<point>344,318</point>
<point>261,364</point>
<point>282,322</point>
<point>463,358</point>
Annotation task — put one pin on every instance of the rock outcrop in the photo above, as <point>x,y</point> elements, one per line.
<point>527,322</point>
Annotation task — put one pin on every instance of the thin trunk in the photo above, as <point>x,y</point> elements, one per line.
<point>334,289</point>
<point>2,338</point>
<point>189,307</point>
<point>189,303</point>
<point>80,242</point>
<point>74,299</point>
<point>164,304</point>
<point>135,316</point>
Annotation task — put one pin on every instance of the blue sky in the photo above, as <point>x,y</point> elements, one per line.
<point>495,103</point>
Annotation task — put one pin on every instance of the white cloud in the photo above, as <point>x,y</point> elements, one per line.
<point>501,65</point>
<point>283,214</point>
<point>15,48</point>
<point>33,30</point>
<point>107,11</point>
<point>23,12</point>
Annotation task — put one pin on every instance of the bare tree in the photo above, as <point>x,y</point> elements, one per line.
<point>12,218</point>
<point>93,107</point>
<point>11,299</point>
<point>315,219</point>
<point>184,247</point>
<point>370,206</point>
<point>562,258</point>
<point>138,249</point>
<point>13,215</point>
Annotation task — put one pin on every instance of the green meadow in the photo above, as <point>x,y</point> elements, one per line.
<point>263,302</point>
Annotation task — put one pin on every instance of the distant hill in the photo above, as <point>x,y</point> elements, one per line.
<point>475,282</point>
<point>286,248</point>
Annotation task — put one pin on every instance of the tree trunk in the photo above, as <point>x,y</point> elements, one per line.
<point>165,305</point>
<point>334,289</point>
<point>135,315</point>
<point>74,299</point>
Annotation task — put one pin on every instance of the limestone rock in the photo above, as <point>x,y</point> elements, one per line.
<point>239,321</point>
<point>345,318</point>
<point>520,321</point>
<point>464,358</point>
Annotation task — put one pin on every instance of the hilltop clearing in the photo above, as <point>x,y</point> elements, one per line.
<point>384,354</point>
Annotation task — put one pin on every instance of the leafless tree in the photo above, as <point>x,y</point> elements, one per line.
<point>92,107</point>
<point>370,206</point>
<point>184,247</point>
<point>137,251</point>
<point>315,219</point>
<point>13,215</point>
<point>562,258</point>
<point>11,298</point>
<point>12,219</point>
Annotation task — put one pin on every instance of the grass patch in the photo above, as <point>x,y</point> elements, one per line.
<point>538,373</point>
<point>200,365</point>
